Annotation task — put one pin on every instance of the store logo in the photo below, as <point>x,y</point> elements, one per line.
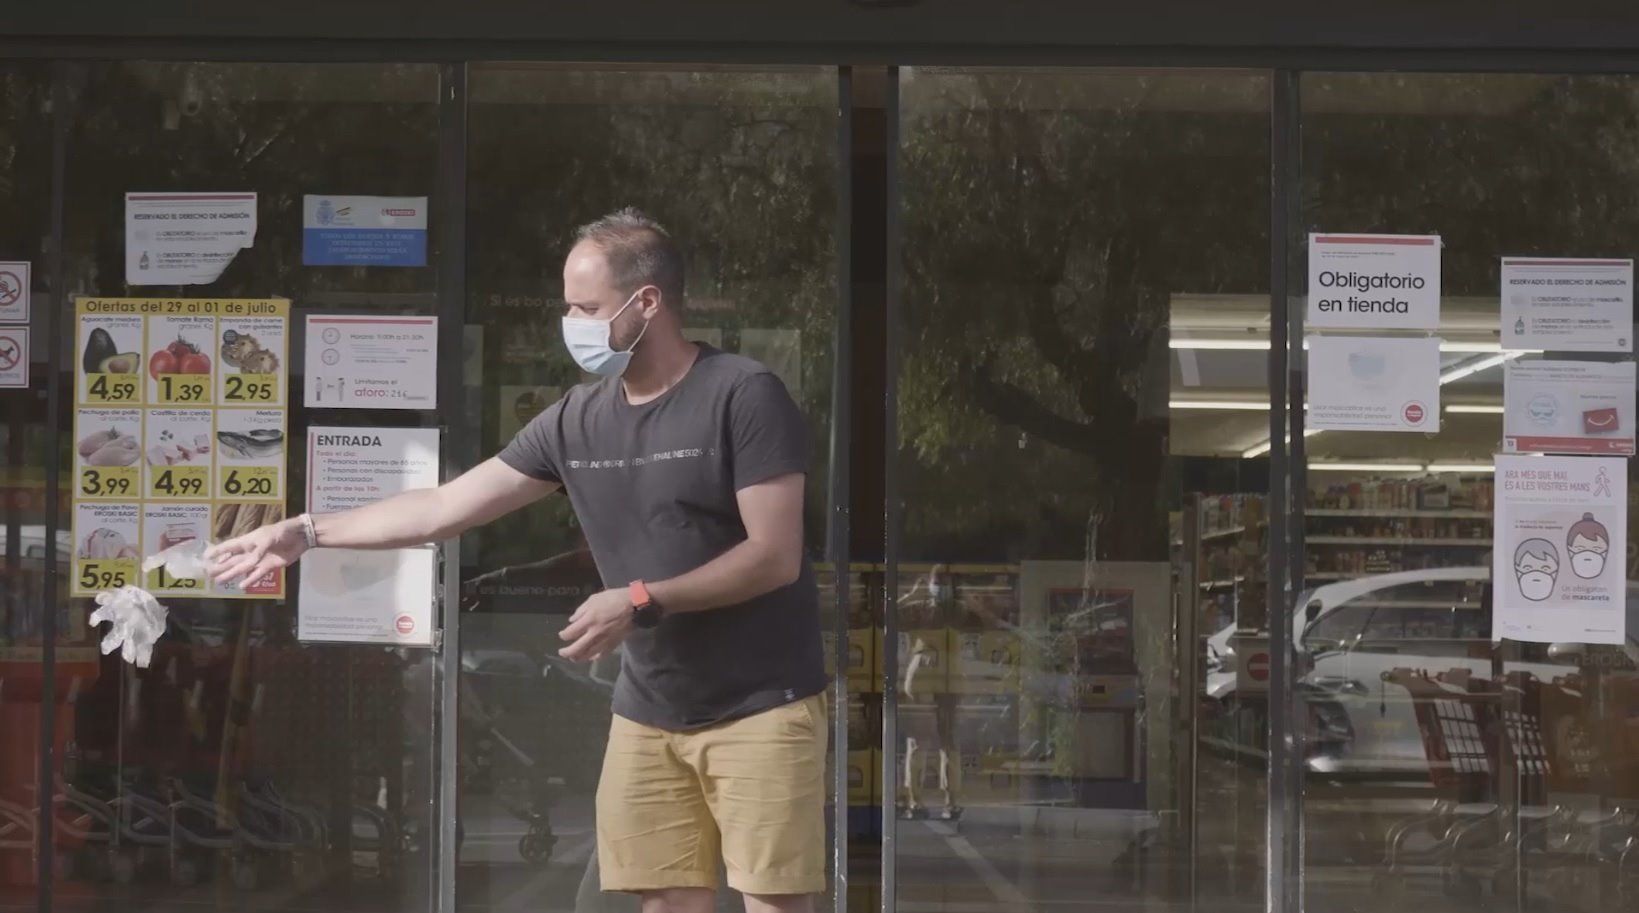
<point>405,625</point>
<point>1414,413</point>
<point>326,212</point>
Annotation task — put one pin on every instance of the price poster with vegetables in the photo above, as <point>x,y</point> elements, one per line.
<point>179,433</point>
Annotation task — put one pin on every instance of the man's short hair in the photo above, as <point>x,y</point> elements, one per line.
<point>1538,549</point>
<point>639,251</point>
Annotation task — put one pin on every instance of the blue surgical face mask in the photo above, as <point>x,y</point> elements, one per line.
<point>588,341</point>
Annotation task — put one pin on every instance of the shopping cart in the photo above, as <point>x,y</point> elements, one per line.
<point>1458,721</point>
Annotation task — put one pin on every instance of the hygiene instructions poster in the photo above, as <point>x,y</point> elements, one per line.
<point>179,433</point>
<point>375,597</point>
<point>1567,305</point>
<point>1558,572</point>
<point>365,362</point>
<point>364,231</point>
<point>1568,407</point>
<point>1374,282</point>
<point>15,283</point>
<point>185,238</point>
<point>1367,383</point>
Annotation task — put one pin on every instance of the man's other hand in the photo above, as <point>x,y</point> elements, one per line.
<point>598,626</point>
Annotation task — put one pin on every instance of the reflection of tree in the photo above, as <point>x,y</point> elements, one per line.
<point>1044,231</point>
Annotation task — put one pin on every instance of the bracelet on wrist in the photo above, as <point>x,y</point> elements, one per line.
<point>309,532</point>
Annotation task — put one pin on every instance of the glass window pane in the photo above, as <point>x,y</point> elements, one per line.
<point>740,164</point>
<point>25,503</point>
<point>243,768</point>
<point>1444,770</point>
<point>1084,537</point>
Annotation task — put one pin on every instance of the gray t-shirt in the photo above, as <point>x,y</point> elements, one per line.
<point>654,488</point>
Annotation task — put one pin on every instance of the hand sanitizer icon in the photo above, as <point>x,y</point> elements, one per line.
<point>143,263</point>
<point>1519,326</point>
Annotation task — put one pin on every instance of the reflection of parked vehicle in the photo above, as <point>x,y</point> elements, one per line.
<point>1352,635</point>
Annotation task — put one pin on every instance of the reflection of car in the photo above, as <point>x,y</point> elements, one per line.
<point>1349,635</point>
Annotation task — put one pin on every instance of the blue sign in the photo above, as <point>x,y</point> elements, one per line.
<point>364,231</point>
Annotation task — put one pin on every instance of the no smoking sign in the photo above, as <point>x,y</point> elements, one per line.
<point>14,291</point>
<point>13,356</point>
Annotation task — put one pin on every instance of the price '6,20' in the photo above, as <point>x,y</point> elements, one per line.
<point>248,484</point>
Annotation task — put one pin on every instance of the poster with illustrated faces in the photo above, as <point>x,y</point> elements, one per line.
<point>1558,572</point>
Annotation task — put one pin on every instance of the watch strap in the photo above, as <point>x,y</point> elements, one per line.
<point>640,594</point>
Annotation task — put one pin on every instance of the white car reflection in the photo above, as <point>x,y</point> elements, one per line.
<point>1351,636</point>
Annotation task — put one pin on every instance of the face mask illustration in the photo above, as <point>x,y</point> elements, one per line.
<point>1536,565</point>
<point>1588,542</point>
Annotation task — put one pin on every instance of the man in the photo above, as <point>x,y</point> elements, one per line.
<point>686,468</point>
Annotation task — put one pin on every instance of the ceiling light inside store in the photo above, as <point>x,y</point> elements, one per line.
<point>1367,467</point>
<point>1461,467</point>
<point>1263,448</point>
<point>1238,405</point>
<point>1476,366</point>
<point>1261,345</point>
<point>1474,409</point>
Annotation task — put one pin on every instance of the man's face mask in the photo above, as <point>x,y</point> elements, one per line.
<point>1587,558</point>
<point>590,342</point>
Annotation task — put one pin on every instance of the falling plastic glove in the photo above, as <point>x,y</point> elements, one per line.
<point>137,621</point>
<point>182,561</point>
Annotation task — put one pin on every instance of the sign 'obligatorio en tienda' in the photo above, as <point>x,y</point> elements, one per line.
<point>1376,282</point>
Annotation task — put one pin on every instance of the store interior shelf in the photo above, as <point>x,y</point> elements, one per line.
<point>1441,514</point>
<point>1402,542</point>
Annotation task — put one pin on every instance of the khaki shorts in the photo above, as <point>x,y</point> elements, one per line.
<point>749,791</point>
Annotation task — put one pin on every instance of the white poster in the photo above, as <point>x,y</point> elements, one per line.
<point>1558,565</point>
<point>13,357</point>
<point>1567,305</point>
<point>380,597</point>
<point>14,291</point>
<point>1368,383</point>
<point>185,238</point>
<point>1375,282</point>
<point>361,362</point>
<point>1568,407</point>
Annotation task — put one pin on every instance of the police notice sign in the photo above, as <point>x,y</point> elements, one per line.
<point>1377,282</point>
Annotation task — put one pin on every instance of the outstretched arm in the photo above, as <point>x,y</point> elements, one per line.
<point>478,496</point>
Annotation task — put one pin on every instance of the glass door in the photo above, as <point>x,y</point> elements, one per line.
<point>741,166</point>
<point>1076,578</point>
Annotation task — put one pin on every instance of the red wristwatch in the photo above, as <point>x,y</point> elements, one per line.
<point>645,611</point>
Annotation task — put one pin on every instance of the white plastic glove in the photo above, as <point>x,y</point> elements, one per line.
<point>182,561</point>
<point>137,621</point>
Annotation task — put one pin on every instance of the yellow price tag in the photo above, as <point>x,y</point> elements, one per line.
<point>105,574</point>
<point>254,482</point>
<point>184,388</point>
<point>179,482</point>
<point>111,388</point>
<point>161,581</point>
<point>108,482</point>
<point>249,388</point>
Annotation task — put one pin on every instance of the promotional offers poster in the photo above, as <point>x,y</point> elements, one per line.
<point>1568,407</point>
<point>1559,555</point>
<point>1374,282</point>
<point>1369,383</point>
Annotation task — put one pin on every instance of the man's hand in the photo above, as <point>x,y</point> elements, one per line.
<point>257,553</point>
<point>598,626</point>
